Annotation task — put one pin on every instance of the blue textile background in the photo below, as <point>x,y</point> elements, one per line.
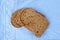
<point>50,8</point>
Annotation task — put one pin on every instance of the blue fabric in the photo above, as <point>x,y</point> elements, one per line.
<point>50,8</point>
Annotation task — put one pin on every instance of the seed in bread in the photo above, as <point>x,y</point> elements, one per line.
<point>34,21</point>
